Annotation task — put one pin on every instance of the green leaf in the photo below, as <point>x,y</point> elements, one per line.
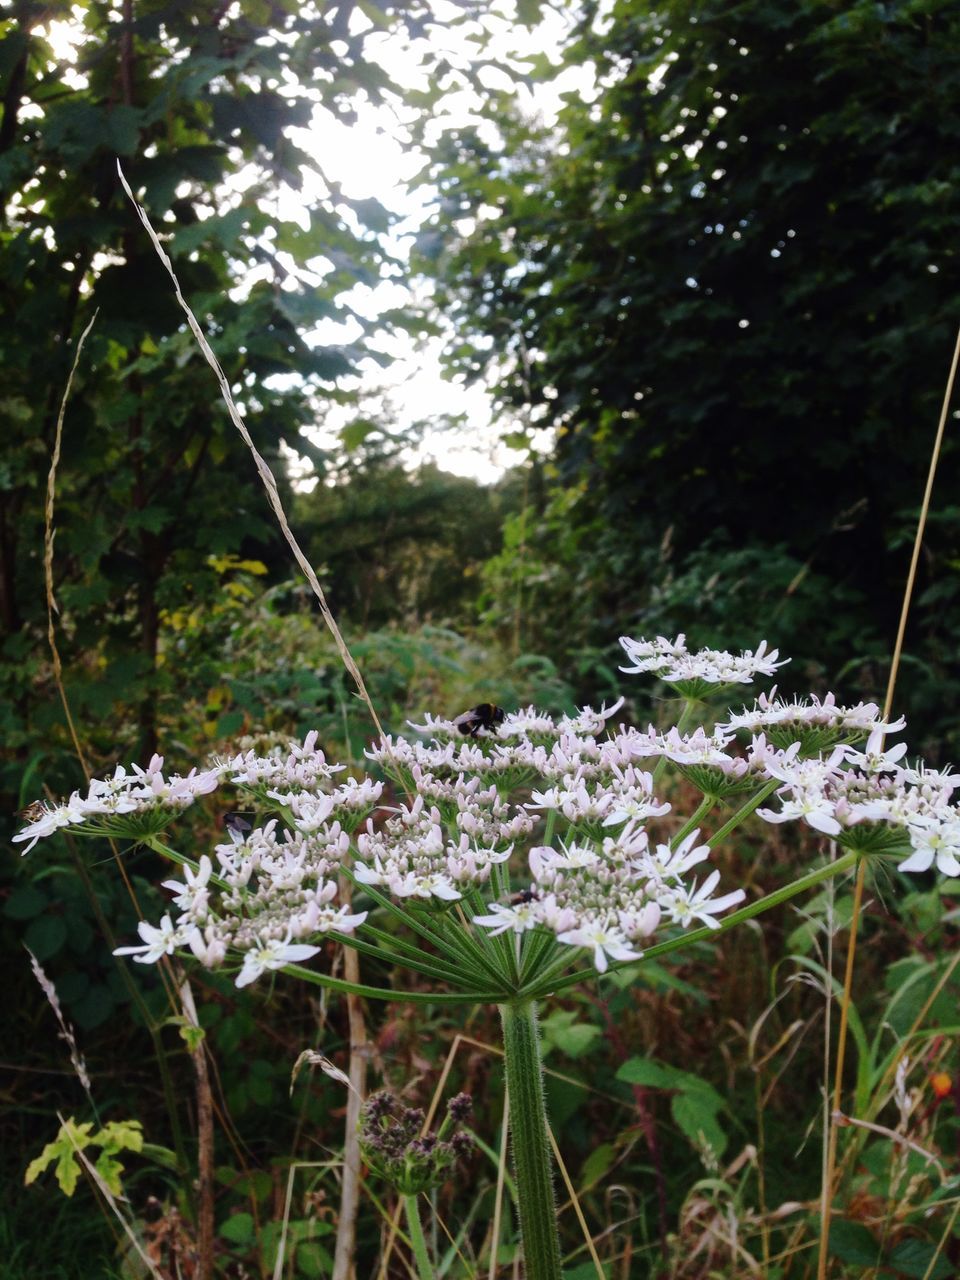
<point>313,1260</point>
<point>238,1228</point>
<point>120,1135</point>
<point>110,1170</point>
<point>45,936</point>
<point>914,1257</point>
<point>696,1117</point>
<point>643,1071</point>
<point>561,1031</point>
<point>597,1163</point>
<point>529,12</point>
<point>161,1156</point>
<point>71,1138</point>
<point>354,434</point>
<point>851,1242</point>
<point>25,902</point>
<point>123,130</point>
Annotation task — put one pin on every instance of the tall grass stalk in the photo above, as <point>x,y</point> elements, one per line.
<point>831,1162</point>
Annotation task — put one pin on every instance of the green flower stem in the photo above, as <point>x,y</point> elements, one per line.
<point>538,951</point>
<point>483,951</point>
<point>703,808</point>
<point>503,944</point>
<point>388,993</point>
<point>453,949</point>
<point>136,998</point>
<point>181,859</point>
<point>734,918</point>
<point>412,1209</point>
<point>530,1143</point>
<point>421,963</point>
<point>404,951</point>
<point>745,811</point>
<point>550,824</point>
<point>551,970</point>
<point>686,715</point>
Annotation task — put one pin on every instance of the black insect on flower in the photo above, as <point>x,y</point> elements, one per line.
<point>484,716</point>
<point>237,824</point>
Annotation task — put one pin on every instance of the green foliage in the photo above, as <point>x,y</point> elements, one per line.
<point>73,1138</point>
<point>402,547</point>
<point>200,103</point>
<point>726,280</point>
<point>695,1104</point>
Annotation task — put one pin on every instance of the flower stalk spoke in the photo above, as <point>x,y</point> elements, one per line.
<point>419,964</point>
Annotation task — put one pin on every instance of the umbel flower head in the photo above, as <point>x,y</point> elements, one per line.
<point>135,804</point>
<point>694,675</point>
<point>519,852</point>
<point>394,1146</point>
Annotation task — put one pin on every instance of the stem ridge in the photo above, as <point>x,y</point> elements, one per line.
<point>532,1159</point>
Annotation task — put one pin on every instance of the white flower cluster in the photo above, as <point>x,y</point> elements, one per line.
<point>416,854</point>
<point>603,876</point>
<point>611,898</point>
<point>291,769</point>
<point>868,801</point>
<point>528,726</point>
<point>143,802</point>
<point>692,674</point>
<point>272,885</point>
<point>815,723</point>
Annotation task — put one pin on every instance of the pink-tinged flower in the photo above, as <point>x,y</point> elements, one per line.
<point>515,919</point>
<point>683,905</point>
<point>209,949</point>
<point>635,808</point>
<point>672,662</point>
<point>873,759</point>
<point>641,924</point>
<point>807,774</point>
<point>191,898</point>
<point>604,941</point>
<point>272,955</point>
<point>341,920</point>
<point>812,806</point>
<point>156,942</point>
<point>934,841</point>
<point>51,820</point>
<point>670,864</point>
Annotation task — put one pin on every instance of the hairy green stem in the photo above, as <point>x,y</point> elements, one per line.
<point>418,1241</point>
<point>530,1142</point>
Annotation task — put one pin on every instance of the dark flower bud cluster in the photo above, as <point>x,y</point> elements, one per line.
<point>394,1147</point>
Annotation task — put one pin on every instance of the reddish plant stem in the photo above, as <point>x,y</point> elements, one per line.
<point>646,1124</point>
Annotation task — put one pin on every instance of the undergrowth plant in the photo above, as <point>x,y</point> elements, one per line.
<point>527,854</point>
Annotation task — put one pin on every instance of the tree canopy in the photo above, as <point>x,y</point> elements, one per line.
<point>727,279</point>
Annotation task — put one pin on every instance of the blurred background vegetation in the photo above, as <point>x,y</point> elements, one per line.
<point>714,301</point>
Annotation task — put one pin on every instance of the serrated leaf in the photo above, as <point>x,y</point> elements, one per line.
<point>110,1170</point>
<point>120,1135</point>
<point>696,1117</point>
<point>562,1031</point>
<point>63,1149</point>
